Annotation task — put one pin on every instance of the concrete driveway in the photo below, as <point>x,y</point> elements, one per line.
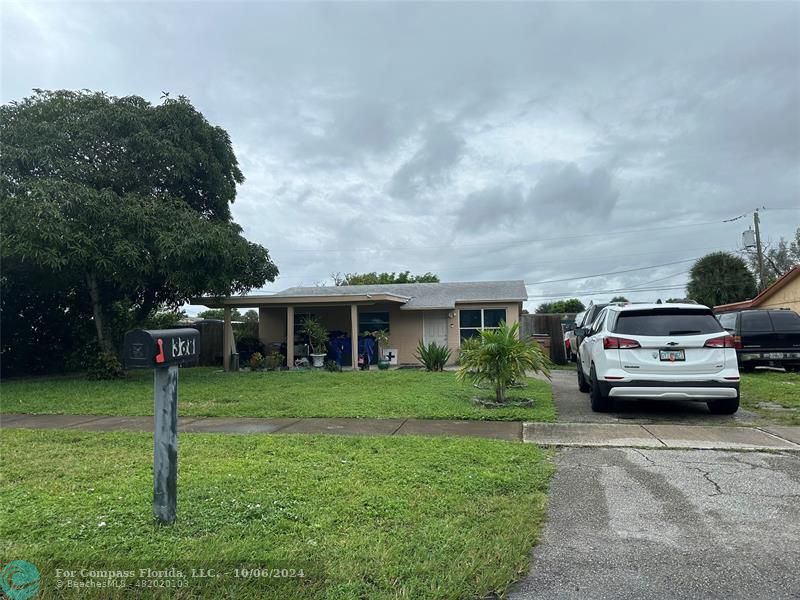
<point>627,523</point>
<point>573,407</point>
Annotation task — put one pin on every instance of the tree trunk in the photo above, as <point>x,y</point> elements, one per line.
<point>97,311</point>
<point>500,394</point>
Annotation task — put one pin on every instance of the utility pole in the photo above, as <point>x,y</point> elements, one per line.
<point>759,253</point>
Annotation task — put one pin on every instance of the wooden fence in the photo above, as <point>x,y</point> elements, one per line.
<point>210,342</point>
<point>547,326</point>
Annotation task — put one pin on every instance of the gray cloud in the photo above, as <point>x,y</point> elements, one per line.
<point>562,193</point>
<point>477,140</point>
<point>430,165</point>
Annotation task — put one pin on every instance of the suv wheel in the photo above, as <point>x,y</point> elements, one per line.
<point>723,406</point>
<point>600,402</point>
<point>582,385</point>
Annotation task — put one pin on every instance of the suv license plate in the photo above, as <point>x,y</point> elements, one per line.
<point>672,355</point>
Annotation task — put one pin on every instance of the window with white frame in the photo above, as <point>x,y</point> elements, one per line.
<point>471,321</point>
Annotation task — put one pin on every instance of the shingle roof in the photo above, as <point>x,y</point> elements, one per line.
<point>426,295</point>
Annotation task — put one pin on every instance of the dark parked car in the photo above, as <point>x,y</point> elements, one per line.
<point>764,338</point>
<point>589,315</point>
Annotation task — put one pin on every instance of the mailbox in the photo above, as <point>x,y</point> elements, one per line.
<point>151,348</point>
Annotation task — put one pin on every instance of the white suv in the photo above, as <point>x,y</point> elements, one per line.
<point>659,351</point>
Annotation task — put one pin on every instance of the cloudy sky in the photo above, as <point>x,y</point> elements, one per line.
<point>540,141</point>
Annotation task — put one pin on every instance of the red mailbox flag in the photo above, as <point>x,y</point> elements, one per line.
<point>160,355</point>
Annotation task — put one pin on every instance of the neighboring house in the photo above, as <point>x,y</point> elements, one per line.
<point>784,293</point>
<point>445,313</point>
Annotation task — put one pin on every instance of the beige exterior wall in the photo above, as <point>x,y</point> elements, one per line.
<point>405,326</point>
<point>272,324</point>
<point>786,297</point>
<point>405,332</point>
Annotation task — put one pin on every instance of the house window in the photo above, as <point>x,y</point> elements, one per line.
<point>473,321</point>
<point>373,321</point>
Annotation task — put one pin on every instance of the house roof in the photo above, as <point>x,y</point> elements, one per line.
<point>779,284</point>
<point>411,296</point>
<point>426,295</point>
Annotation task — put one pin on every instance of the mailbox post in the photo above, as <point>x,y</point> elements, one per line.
<point>163,350</point>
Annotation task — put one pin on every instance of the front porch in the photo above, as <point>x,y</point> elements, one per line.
<point>280,325</point>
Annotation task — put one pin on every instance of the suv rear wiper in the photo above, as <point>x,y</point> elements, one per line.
<point>684,331</point>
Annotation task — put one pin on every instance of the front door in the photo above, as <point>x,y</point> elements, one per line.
<point>434,327</point>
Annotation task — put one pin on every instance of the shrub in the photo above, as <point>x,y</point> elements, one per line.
<point>332,366</point>
<point>501,358</point>
<point>273,361</point>
<point>246,346</point>
<point>104,365</point>
<point>433,356</point>
<point>256,361</point>
<point>245,330</point>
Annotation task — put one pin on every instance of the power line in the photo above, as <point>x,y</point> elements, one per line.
<point>612,272</point>
<point>610,291</point>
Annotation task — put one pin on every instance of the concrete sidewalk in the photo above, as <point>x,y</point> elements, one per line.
<point>546,434</point>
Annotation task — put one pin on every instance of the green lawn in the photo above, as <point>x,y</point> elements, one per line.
<point>363,517</point>
<point>210,392</point>
<point>775,388</point>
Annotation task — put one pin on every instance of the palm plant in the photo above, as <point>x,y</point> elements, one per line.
<point>501,358</point>
<point>433,356</point>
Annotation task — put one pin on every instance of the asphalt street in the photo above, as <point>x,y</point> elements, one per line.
<point>631,523</point>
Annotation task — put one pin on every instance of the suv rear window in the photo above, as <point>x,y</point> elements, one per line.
<point>667,321</point>
<point>785,320</point>
<point>756,321</point>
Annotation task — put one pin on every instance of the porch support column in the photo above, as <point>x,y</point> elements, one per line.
<point>227,333</point>
<point>290,337</point>
<point>354,334</point>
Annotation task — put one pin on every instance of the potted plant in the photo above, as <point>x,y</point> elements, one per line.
<point>382,340</point>
<point>317,339</point>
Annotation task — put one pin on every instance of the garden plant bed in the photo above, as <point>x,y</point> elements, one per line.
<point>210,392</point>
<point>516,403</point>
<point>365,517</point>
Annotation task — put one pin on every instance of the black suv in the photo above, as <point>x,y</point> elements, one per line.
<point>764,338</point>
<point>588,318</point>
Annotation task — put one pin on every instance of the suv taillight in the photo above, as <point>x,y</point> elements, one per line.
<point>613,343</point>
<point>725,341</point>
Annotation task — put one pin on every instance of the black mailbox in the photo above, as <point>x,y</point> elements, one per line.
<point>150,348</point>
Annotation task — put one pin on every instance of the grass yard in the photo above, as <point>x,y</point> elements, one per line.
<point>210,392</point>
<point>781,390</point>
<point>364,517</point>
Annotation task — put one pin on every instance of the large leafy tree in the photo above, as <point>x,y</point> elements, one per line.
<point>720,278</point>
<point>569,305</point>
<point>381,278</point>
<point>778,258</point>
<point>125,204</point>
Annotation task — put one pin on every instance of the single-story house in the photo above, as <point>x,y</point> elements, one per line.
<point>445,313</point>
<point>783,293</point>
